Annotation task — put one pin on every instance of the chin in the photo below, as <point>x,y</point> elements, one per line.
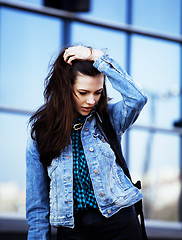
<point>84,113</point>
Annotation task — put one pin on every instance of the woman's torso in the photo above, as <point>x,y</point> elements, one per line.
<point>113,190</point>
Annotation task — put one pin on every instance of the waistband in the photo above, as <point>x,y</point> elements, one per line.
<point>92,216</point>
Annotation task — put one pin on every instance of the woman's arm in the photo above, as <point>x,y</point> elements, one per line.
<point>37,195</point>
<point>125,112</point>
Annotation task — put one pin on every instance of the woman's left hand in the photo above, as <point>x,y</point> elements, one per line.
<point>81,53</point>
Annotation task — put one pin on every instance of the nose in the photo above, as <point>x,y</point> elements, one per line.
<point>90,100</point>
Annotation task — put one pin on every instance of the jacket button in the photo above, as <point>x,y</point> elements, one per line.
<point>95,135</point>
<point>68,179</point>
<point>109,211</point>
<point>101,194</point>
<point>91,149</point>
<point>96,170</point>
<point>86,129</point>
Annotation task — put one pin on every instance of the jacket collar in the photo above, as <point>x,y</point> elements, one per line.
<point>94,112</point>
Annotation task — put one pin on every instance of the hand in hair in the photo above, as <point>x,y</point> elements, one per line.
<point>81,53</point>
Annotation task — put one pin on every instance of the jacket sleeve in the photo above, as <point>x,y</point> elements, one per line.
<point>123,113</point>
<point>37,195</point>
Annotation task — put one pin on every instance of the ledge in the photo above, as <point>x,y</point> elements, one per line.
<point>17,224</point>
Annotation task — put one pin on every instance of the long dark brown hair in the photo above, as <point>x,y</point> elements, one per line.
<point>51,124</point>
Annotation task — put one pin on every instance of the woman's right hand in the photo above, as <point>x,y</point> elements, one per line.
<point>81,53</point>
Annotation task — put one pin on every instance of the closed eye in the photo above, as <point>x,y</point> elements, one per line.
<point>82,93</point>
<point>98,93</point>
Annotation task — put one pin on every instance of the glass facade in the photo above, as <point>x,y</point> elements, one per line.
<point>28,44</point>
<point>162,15</point>
<point>13,129</point>
<point>114,11</point>
<point>25,55</point>
<point>155,64</point>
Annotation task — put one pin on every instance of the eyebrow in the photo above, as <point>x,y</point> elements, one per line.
<point>80,89</point>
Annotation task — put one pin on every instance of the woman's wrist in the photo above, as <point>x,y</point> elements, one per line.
<point>95,54</point>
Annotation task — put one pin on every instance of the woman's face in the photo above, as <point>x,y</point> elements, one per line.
<point>87,92</point>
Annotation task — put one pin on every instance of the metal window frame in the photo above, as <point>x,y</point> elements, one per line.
<point>65,15</point>
<point>130,30</point>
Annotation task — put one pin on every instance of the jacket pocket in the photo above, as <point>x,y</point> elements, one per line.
<point>103,145</point>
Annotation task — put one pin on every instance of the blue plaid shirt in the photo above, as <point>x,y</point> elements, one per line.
<point>83,193</point>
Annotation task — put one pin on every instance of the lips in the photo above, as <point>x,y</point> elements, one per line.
<point>86,109</point>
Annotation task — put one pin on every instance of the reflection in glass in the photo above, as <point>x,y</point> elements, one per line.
<point>155,64</point>
<point>157,15</point>
<point>13,139</point>
<point>36,2</point>
<point>154,158</point>
<point>114,10</point>
<point>28,41</point>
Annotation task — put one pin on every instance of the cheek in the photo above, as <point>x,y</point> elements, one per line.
<point>78,101</point>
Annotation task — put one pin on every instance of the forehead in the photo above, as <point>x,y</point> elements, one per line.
<point>89,82</point>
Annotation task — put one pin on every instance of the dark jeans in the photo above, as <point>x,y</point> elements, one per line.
<point>91,225</point>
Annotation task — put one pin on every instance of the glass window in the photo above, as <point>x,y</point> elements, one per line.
<point>158,15</point>
<point>154,159</point>
<point>155,64</point>
<point>28,41</point>
<point>37,2</point>
<point>13,139</point>
<point>27,44</point>
<point>112,10</point>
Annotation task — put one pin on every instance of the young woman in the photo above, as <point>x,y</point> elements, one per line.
<point>73,180</point>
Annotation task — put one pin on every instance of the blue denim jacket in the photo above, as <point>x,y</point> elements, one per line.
<point>113,190</point>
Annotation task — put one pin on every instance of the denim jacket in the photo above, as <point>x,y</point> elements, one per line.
<point>113,190</point>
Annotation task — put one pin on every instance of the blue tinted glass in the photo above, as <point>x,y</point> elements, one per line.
<point>160,15</point>
<point>13,139</point>
<point>156,66</point>
<point>101,39</point>
<point>154,159</point>
<point>114,10</point>
<point>37,2</point>
<point>28,41</point>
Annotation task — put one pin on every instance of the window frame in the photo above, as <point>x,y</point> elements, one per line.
<point>154,228</point>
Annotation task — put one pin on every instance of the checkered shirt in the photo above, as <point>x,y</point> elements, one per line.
<point>83,193</point>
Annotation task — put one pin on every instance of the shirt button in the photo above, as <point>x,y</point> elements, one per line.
<point>86,129</point>
<point>96,170</point>
<point>91,149</point>
<point>101,194</point>
<point>109,211</point>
